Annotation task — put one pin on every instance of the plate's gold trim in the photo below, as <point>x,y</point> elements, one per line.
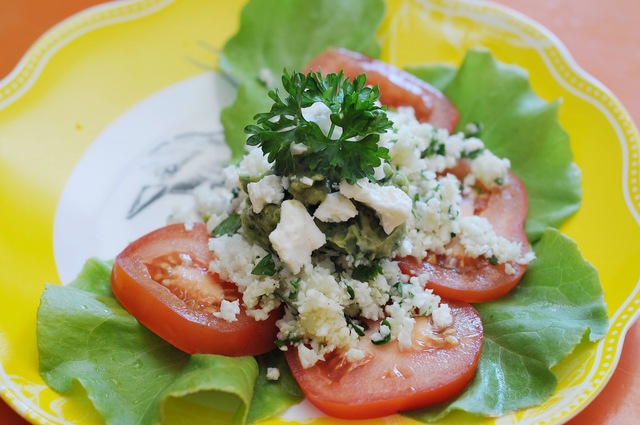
<point>35,59</point>
<point>593,366</point>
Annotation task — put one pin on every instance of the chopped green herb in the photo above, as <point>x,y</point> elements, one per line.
<point>453,212</point>
<point>228,226</point>
<point>435,148</point>
<point>265,267</point>
<point>471,154</point>
<point>287,301</point>
<point>296,285</point>
<point>365,273</point>
<point>478,189</point>
<point>291,339</point>
<point>473,129</point>
<point>351,292</point>
<point>386,338</point>
<point>357,328</point>
<point>494,260</point>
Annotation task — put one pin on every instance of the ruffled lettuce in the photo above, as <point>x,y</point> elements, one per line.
<point>131,375</point>
<point>556,306</point>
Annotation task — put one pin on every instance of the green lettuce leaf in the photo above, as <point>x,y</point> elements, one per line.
<point>519,125</point>
<point>129,373</point>
<point>438,75</point>
<point>290,38</point>
<point>272,398</point>
<point>558,304</point>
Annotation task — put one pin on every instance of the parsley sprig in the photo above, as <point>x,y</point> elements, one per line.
<point>351,155</point>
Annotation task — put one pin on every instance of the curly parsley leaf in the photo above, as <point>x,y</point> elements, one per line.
<point>350,148</point>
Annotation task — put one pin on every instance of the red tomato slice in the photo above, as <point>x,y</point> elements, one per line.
<point>476,279</point>
<point>437,367</point>
<point>163,280</point>
<point>397,87</point>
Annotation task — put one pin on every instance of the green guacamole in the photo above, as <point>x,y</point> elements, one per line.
<point>362,236</point>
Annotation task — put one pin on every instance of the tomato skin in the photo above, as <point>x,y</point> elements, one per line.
<point>397,87</point>
<point>190,329</point>
<point>477,280</point>
<point>393,381</point>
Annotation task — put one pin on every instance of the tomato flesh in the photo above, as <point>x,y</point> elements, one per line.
<point>163,280</point>
<point>476,279</point>
<point>438,366</point>
<point>397,87</point>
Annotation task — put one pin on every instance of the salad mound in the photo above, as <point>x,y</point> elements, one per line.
<point>333,197</point>
<point>355,234</point>
<point>330,193</point>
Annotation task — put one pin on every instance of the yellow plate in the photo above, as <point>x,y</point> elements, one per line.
<point>81,76</point>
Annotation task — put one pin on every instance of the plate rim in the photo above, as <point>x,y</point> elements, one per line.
<point>33,63</point>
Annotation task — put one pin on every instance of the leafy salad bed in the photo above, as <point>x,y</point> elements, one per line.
<point>86,336</point>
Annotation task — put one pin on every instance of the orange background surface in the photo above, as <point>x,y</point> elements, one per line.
<point>604,39</point>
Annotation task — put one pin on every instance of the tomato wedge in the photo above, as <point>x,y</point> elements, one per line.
<point>439,365</point>
<point>163,280</point>
<point>476,279</point>
<point>397,87</point>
